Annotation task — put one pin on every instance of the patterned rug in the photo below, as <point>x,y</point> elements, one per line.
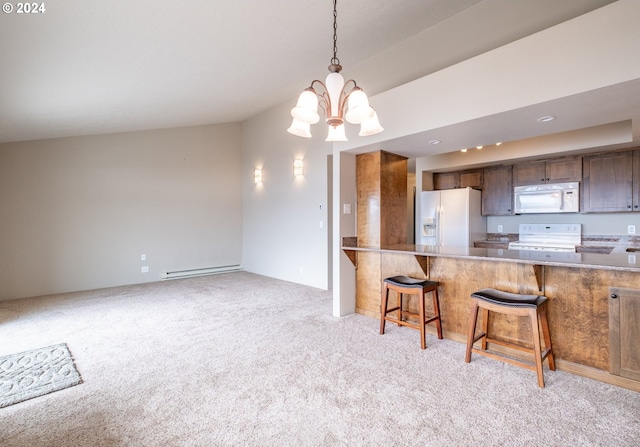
<point>35,373</point>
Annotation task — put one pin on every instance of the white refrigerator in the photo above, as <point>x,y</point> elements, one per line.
<point>450,217</point>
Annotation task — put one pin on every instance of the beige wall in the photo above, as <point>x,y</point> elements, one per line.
<point>77,213</point>
<point>285,219</point>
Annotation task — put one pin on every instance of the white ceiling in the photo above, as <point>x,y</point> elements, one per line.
<point>97,67</point>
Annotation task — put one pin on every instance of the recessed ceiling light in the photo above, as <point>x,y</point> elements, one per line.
<point>479,147</point>
<point>463,150</point>
<point>434,142</point>
<point>498,143</point>
<point>546,119</point>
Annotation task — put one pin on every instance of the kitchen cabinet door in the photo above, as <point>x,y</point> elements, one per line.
<point>446,180</point>
<point>555,170</point>
<point>635,183</point>
<point>561,170</point>
<point>624,332</point>
<point>471,179</point>
<point>497,191</point>
<point>608,182</point>
<point>529,173</point>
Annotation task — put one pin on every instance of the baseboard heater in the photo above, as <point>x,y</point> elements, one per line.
<point>200,272</point>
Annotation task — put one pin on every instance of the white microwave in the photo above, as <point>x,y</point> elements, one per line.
<point>547,198</point>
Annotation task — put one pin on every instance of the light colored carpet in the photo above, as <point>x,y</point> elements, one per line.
<point>243,360</point>
<point>37,372</point>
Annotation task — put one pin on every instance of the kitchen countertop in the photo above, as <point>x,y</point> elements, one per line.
<point>621,261</point>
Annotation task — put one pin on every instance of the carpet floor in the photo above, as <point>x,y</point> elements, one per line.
<point>243,360</point>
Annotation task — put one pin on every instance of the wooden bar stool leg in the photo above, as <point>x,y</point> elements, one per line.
<point>436,310</point>
<point>399,294</point>
<point>547,338</point>
<point>471,332</point>
<point>485,328</point>
<point>423,341</point>
<point>383,307</point>
<point>535,332</point>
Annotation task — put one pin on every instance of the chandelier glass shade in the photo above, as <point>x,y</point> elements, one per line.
<point>341,101</point>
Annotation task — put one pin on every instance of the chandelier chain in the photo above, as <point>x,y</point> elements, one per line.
<point>335,59</point>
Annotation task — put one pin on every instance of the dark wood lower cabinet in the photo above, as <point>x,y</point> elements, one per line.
<point>624,332</point>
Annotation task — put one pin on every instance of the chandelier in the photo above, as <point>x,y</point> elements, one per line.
<point>338,99</point>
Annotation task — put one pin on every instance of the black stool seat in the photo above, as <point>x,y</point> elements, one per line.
<point>509,299</point>
<point>405,281</point>
<point>403,285</point>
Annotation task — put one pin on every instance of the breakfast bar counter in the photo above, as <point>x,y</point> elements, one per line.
<point>583,316</point>
<point>614,261</point>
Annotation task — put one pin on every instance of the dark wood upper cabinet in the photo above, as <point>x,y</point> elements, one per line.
<point>446,180</point>
<point>529,173</point>
<point>556,170</point>
<point>610,182</point>
<point>471,178</point>
<point>497,191</point>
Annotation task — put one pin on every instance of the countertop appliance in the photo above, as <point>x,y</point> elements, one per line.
<point>548,237</point>
<point>547,198</point>
<point>450,217</point>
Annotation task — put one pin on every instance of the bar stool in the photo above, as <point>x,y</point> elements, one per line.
<point>404,285</point>
<point>532,306</point>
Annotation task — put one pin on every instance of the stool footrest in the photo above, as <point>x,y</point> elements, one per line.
<point>509,360</point>
<point>479,336</point>
<point>515,346</point>
<point>510,345</point>
<point>402,322</point>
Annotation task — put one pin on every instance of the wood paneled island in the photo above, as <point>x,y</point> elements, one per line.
<point>577,285</point>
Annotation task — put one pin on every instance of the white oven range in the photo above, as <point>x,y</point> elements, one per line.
<point>548,237</point>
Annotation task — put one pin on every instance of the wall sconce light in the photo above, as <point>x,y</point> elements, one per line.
<point>257,175</point>
<point>297,167</point>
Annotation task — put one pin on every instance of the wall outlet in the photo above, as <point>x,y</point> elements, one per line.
<point>143,257</point>
<point>500,228</point>
<point>631,229</point>
<point>145,269</point>
<point>632,259</point>
<point>346,208</point>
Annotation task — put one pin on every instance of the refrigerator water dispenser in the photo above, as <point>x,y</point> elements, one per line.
<point>429,227</point>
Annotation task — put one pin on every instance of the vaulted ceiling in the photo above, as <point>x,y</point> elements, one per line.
<point>81,68</point>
